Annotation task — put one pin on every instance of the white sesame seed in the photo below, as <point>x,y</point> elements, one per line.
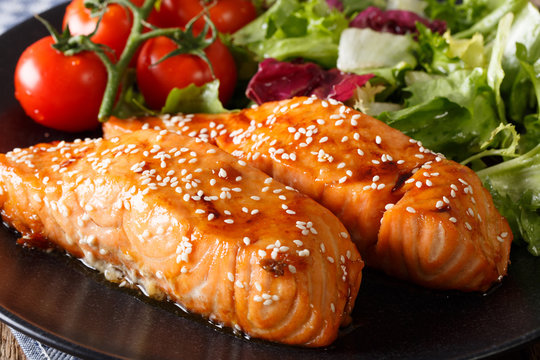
<point>411,209</point>
<point>303,253</point>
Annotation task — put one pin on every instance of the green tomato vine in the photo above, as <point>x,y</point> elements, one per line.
<point>188,43</point>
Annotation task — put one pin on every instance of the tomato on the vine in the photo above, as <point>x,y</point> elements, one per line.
<point>156,79</point>
<point>227,15</point>
<point>59,91</point>
<point>113,30</point>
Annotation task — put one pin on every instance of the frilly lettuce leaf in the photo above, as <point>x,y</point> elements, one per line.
<point>488,24</point>
<point>444,54</point>
<point>454,115</point>
<point>460,16</point>
<point>293,28</point>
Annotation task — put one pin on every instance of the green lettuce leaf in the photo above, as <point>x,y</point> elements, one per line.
<point>531,122</point>
<point>515,187</point>
<point>460,16</point>
<point>453,115</point>
<point>355,6</point>
<point>488,24</point>
<point>294,28</point>
<point>495,73</point>
<point>520,62</point>
<point>531,66</point>
<point>194,99</point>
<point>444,54</point>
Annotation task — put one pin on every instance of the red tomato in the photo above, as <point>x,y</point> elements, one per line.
<point>156,79</point>
<point>113,30</point>
<point>59,91</point>
<point>227,15</point>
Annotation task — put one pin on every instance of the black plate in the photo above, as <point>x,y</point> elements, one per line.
<point>59,302</point>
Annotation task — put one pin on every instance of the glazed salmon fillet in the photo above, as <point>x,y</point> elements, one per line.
<point>191,223</point>
<point>411,212</point>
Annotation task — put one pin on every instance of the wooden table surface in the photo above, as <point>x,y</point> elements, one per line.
<point>9,348</point>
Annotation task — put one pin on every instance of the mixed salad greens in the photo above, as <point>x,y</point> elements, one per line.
<point>462,77</point>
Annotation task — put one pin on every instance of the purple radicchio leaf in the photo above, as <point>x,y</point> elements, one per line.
<point>394,21</point>
<point>279,80</point>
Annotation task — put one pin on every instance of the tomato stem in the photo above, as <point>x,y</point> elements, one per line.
<point>117,71</point>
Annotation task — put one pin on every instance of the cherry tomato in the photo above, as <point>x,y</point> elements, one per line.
<point>113,30</point>
<point>156,79</point>
<point>227,15</point>
<point>59,91</point>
